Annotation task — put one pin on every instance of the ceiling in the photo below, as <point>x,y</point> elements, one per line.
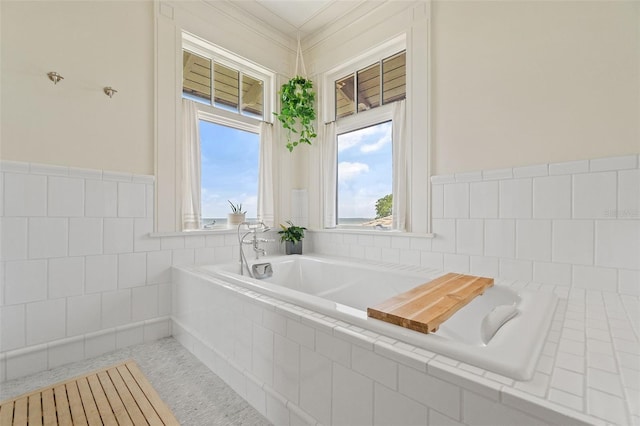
<point>293,17</point>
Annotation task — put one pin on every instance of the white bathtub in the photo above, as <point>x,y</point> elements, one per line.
<point>344,289</point>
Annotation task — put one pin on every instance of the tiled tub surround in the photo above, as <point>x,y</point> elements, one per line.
<point>79,274</point>
<point>346,289</point>
<point>297,366</point>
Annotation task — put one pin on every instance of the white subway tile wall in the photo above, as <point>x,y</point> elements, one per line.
<point>515,198</point>
<point>81,282</point>
<point>552,197</point>
<point>544,223</point>
<point>80,274</point>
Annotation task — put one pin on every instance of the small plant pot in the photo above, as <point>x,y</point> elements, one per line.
<point>293,248</point>
<point>235,219</point>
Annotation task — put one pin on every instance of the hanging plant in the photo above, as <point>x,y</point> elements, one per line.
<point>297,111</point>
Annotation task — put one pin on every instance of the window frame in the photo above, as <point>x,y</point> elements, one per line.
<point>213,114</point>
<point>362,119</point>
<point>228,59</point>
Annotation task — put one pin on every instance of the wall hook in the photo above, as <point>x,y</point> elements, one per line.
<point>110,91</point>
<point>55,77</point>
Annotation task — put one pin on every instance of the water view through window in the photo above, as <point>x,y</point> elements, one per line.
<point>229,172</point>
<point>365,176</point>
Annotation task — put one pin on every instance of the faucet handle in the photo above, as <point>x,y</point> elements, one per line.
<point>266,240</point>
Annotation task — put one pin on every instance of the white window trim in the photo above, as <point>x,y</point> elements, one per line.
<point>364,119</point>
<point>228,118</point>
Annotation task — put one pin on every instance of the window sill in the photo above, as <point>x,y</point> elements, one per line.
<point>372,232</point>
<point>213,231</point>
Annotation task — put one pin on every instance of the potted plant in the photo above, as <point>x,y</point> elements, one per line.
<point>236,216</point>
<point>297,111</point>
<point>292,236</point>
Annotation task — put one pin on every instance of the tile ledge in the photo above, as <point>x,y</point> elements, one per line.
<point>371,232</point>
<point>195,232</point>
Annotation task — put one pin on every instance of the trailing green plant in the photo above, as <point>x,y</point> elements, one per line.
<point>297,111</point>
<point>236,208</point>
<point>291,233</point>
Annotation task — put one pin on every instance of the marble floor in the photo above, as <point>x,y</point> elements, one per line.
<point>196,396</point>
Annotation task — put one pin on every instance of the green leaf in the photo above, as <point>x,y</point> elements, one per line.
<point>297,111</point>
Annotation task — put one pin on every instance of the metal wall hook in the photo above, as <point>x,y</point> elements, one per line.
<point>110,91</point>
<point>55,77</point>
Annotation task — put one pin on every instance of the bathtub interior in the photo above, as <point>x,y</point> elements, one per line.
<point>357,287</point>
<point>353,288</point>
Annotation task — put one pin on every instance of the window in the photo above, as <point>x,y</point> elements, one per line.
<point>231,103</point>
<point>386,77</point>
<point>233,90</point>
<point>365,176</point>
<point>229,171</point>
<point>366,95</point>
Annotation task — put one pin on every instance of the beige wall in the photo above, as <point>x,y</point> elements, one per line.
<point>519,83</point>
<point>514,83</point>
<point>92,44</point>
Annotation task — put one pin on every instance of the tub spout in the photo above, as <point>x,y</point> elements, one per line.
<point>256,246</point>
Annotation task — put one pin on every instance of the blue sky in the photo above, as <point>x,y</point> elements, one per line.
<point>230,170</point>
<point>364,170</point>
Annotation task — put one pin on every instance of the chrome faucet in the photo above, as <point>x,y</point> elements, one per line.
<point>256,246</point>
<point>253,228</point>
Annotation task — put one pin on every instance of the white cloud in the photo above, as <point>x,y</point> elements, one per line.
<point>348,140</point>
<point>376,146</point>
<point>357,137</point>
<point>348,170</point>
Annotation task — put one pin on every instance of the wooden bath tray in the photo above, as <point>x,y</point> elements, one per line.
<point>425,307</point>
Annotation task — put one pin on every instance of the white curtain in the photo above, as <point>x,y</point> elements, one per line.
<point>191,209</point>
<point>329,172</point>
<point>400,167</point>
<point>265,176</point>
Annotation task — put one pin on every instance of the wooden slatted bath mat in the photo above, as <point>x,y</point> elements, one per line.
<point>425,307</point>
<point>118,395</point>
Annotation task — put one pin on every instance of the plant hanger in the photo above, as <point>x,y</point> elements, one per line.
<point>297,111</point>
<point>300,60</point>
